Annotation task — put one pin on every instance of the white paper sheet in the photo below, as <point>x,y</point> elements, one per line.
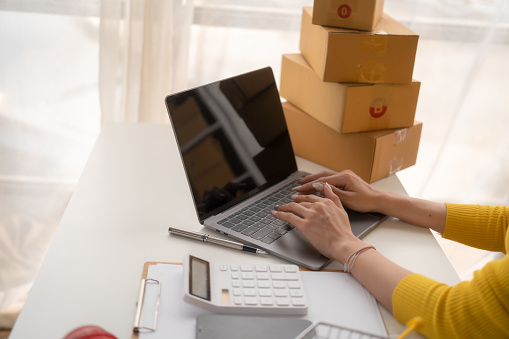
<point>333,297</point>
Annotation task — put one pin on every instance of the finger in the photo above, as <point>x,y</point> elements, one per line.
<point>288,217</point>
<point>329,193</point>
<point>294,208</point>
<point>311,177</point>
<point>316,176</point>
<point>300,198</point>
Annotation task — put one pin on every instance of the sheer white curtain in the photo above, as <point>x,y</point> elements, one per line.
<point>67,67</point>
<point>143,57</point>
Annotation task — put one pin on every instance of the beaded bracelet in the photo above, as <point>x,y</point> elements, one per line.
<point>352,257</point>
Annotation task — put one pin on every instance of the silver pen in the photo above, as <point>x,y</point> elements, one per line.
<point>222,242</point>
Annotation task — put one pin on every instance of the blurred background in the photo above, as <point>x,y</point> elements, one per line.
<point>69,66</point>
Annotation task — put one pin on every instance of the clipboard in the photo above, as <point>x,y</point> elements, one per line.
<point>139,326</point>
<point>337,299</point>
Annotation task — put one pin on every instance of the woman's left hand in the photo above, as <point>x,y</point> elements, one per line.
<point>323,221</point>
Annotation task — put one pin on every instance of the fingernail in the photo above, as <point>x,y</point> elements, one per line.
<point>295,188</point>
<point>295,196</point>
<point>317,186</point>
<point>273,212</point>
<point>276,207</point>
<point>328,186</point>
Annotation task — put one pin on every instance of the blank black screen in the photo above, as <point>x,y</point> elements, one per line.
<point>233,138</point>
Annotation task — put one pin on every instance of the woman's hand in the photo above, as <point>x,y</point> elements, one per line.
<point>353,192</point>
<point>323,221</point>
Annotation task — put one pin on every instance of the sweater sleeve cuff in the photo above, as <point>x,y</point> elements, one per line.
<point>416,295</point>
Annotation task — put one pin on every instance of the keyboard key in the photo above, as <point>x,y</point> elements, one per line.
<point>250,230</point>
<point>268,240</point>
<point>261,233</point>
<point>239,228</point>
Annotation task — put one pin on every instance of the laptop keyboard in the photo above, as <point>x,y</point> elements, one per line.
<point>256,220</point>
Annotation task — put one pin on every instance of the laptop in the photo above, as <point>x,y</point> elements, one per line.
<point>236,152</point>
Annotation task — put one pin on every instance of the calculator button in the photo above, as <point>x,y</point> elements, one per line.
<point>261,268</point>
<point>264,284</point>
<point>278,284</point>
<point>280,293</point>
<point>265,293</point>
<point>235,275</point>
<point>296,293</point>
<point>237,291</point>
<point>235,283</point>
<point>276,268</point>
<point>248,284</point>
<point>223,267</point>
<point>246,268</point>
<point>298,302</point>
<point>234,267</point>
<point>247,275</point>
<point>249,292</point>
<point>262,276</point>
<point>285,276</point>
<point>293,284</point>
<point>251,301</point>
<point>237,301</point>
<point>291,268</point>
<point>267,301</point>
<point>283,301</point>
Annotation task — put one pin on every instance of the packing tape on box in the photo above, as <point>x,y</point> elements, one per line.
<point>400,135</point>
<point>374,43</point>
<point>395,165</point>
<point>370,72</point>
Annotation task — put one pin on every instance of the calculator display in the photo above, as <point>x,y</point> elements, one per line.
<point>199,278</point>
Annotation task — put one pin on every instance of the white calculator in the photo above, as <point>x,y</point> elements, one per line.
<point>244,288</point>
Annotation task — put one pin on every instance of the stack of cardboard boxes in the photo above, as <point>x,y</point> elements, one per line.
<point>350,96</point>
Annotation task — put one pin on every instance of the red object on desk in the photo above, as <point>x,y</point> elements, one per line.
<point>89,332</point>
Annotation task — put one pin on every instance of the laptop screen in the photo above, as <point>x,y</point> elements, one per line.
<point>233,139</point>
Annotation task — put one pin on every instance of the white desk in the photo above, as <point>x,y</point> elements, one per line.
<point>131,190</point>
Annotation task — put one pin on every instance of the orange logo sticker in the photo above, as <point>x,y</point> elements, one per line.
<point>378,108</point>
<point>344,11</point>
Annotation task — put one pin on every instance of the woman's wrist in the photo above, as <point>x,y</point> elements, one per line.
<point>347,248</point>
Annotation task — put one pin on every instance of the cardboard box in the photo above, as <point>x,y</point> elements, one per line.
<point>386,55</point>
<point>371,155</point>
<point>347,107</point>
<point>353,14</point>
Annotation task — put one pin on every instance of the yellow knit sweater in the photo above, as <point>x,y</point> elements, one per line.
<point>471,309</point>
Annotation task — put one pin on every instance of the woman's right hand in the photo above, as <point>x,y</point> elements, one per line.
<point>353,192</point>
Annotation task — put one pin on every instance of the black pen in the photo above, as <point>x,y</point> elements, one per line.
<point>203,237</point>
